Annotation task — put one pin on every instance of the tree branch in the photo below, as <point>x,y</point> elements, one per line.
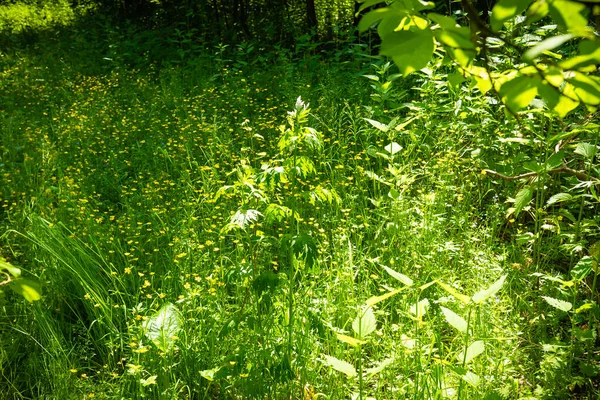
<point>579,174</point>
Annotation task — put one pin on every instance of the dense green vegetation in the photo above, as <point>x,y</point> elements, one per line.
<point>284,215</point>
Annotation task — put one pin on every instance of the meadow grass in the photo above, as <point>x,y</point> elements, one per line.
<point>109,177</point>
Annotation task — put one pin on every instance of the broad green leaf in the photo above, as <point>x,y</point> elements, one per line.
<point>444,21</point>
<point>505,10</point>
<point>545,45</point>
<point>419,309</point>
<point>586,87</point>
<point>559,198</point>
<point>303,246</point>
<point>482,295</point>
<point>340,366</point>
<point>365,323</point>
<point>378,125</point>
<point>583,268</point>
<point>569,14</point>
<point>518,92</point>
<point>393,148</point>
<point>455,320</point>
<point>163,326</point>
<point>538,10</point>
<point>372,17</point>
<point>482,78</point>
<point>465,299</point>
<point>475,349</point>
<point>349,340</point>
<point>410,50</point>
<point>379,367</point>
<point>522,199</point>
<point>27,288</point>
<point>555,100</point>
<point>588,151</point>
<point>14,271</point>
<point>458,43</point>
<point>589,55</point>
<point>369,3</point>
<point>398,276</point>
<point>559,304</point>
<point>209,374</point>
<point>377,299</point>
<point>471,378</point>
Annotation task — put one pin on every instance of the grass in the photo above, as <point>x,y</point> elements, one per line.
<point>108,183</point>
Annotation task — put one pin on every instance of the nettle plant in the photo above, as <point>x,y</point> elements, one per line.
<point>277,195</point>
<point>445,370</point>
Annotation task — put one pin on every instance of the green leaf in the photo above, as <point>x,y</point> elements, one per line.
<point>349,340</point>
<point>471,378</point>
<point>393,148</point>
<point>586,87</point>
<point>482,295</point>
<point>538,10</point>
<point>398,276</point>
<point>518,92</point>
<point>522,199</point>
<point>465,299</point>
<point>559,198</point>
<point>27,288</point>
<point>559,304</point>
<point>210,374</point>
<point>410,50</point>
<point>419,309</point>
<point>555,160</point>
<point>14,271</point>
<point>340,366</point>
<point>458,44</point>
<point>475,349</point>
<point>163,326</point>
<point>365,323</point>
<point>569,14</point>
<point>369,3</point>
<point>455,320</point>
<point>370,18</point>
<point>377,299</point>
<point>303,246</point>
<point>545,45</point>
<point>379,367</point>
<point>588,151</point>
<point>378,125</point>
<point>555,100</point>
<point>589,55</point>
<point>505,10</point>
<point>583,268</point>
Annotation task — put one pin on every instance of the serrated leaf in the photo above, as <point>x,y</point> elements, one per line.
<point>465,299</point>
<point>559,304</point>
<point>475,349</point>
<point>27,288</point>
<point>364,323</point>
<point>588,151</point>
<point>583,268</point>
<point>505,10</point>
<point>455,320</point>
<point>559,198</point>
<point>340,366</point>
<point>163,326</point>
<point>349,340</point>
<point>471,378</point>
<point>398,276</point>
<point>378,125</point>
<point>482,295</point>
<point>522,199</point>
<point>379,367</point>
<point>393,148</point>
<point>410,50</point>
